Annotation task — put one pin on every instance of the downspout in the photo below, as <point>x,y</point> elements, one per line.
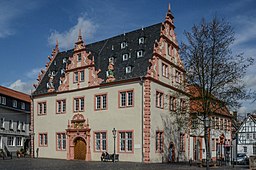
<point>142,118</point>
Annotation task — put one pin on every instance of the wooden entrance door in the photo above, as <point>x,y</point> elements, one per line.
<point>80,149</point>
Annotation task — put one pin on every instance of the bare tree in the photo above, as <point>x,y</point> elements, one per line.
<point>212,67</point>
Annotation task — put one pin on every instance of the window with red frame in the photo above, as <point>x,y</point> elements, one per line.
<point>100,141</point>
<point>61,106</point>
<point>159,141</point>
<point>41,108</point>
<point>165,70</point>
<point>126,98</point>
<point>61,141</point>
<point>126,141</point>
<point>79,104</point>
<point>101,102</point>
<point>159,99</point>
<point>43,139</point>
<point>172,103</point>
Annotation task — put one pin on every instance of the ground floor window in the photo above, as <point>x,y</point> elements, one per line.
<point>10,141</point>
<point>159,141</point>
<point>100,141</point>
<point>18,141</point>
<point>43,139</point>
<point>245,148</point>
<point>0,142</point>
<point>254,149</point>
<point>125,141</point>
<point>61,141</point>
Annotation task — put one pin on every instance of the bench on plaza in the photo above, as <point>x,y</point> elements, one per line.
<point>105,157</point>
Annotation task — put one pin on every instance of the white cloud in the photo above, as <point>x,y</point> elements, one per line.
<point>68,38</point>
<point>246,27</point>
<point>21,86</point>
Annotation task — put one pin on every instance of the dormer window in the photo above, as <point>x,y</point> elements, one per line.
<point>23,106</point>
<point>125,56</point>
<point>79,57</point>
<point>123,45</point>
<point>14,103</point>
<point>140,53</point>
<point>128,69</point>
<point>141,40</point>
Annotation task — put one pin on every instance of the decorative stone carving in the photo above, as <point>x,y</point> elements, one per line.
<point>50,84</point>
<point>110,72</point>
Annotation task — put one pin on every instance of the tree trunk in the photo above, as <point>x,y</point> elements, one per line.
<point>207,148</point>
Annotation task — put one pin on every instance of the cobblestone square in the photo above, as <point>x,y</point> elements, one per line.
<point>57,164</point>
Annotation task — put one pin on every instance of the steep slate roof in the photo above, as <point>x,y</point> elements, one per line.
<point>111,47</point>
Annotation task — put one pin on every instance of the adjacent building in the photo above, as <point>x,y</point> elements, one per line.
<point>246,136</point>
<point>219,125</point>
<point>133,82</point>
<point>14,120</point>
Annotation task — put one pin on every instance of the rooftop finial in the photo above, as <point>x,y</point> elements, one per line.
<point>57,44</point>
<point>169,7</point>
<point>79,35</point>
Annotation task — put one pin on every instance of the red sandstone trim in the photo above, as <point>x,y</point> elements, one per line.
<point>42,133</point>
<point>95,102</point>
<point>126,102</point>
<point>146,121</point>
<point>56,141</point>
<point>56,109</point>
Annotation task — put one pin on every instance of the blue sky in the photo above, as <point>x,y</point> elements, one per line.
<point>29,28</point>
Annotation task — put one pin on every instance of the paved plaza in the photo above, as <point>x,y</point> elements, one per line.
<point>57,164</point>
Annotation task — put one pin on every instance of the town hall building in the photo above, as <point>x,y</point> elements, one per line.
<point>131,82</point>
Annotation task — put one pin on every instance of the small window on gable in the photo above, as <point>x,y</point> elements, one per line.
<point>128,69</point>
<point>123,45</point>
<point>141,40</point>
<point>140,53</point>
<point>125,56</point>
<point>79,57</point>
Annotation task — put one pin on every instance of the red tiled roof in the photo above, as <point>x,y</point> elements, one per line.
<point>196,104</point>
<point>14,94</point>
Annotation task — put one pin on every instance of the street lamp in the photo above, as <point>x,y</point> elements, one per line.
<point>207,126</point>
<point>114,136</point>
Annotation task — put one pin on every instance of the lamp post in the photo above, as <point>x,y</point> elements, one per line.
<point>114,136</point>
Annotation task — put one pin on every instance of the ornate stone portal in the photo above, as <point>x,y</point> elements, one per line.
<point>78,130</point>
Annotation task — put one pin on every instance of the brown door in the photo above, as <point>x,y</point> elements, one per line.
<point>80,149</point>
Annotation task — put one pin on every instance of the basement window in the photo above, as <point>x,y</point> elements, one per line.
<point>128,69</point>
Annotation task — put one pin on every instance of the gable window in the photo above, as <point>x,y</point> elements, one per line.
<point>178,76</point>
<point>82,75</point>
<point>168,49</point>
<point>10,141</point>
<point>141,40</point>
<point>101,102</point>
<point>159,141</point>
<point>23,126</point>
<point>75,77</point>
<point>172,103</point>
<point>18,141</point>
<point>140,53</point>
<point>100,141</point>
<point>14,103</point>
<point>125,141</point>
<point>79,57</point>
<point>43,139</point>
<point>165,70</point>
<point>4,100</point>
<point>61,106</point>
<point>41,108</point>
<point>126,98</point>
<point>11,125</point>
<point>182,104</point>
<point>23,106</point>
<point>159,99</point>
<point>78,104</point>
<point>123,45</point>
<point>61,141</point>
<point>125,56</point>
<point>128,69</point>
